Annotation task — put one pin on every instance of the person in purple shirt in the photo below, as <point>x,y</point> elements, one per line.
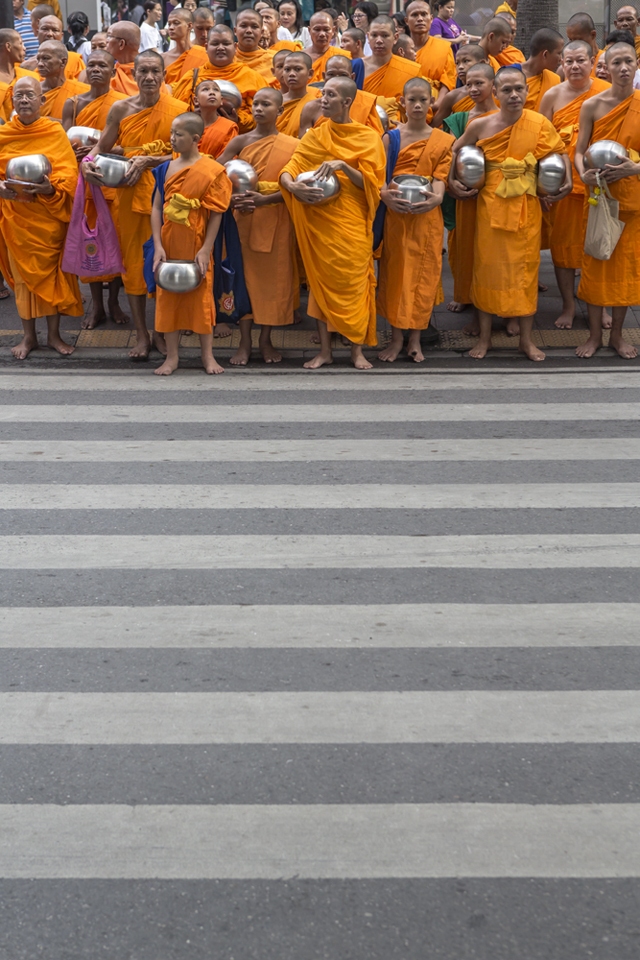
<point>443,24</point>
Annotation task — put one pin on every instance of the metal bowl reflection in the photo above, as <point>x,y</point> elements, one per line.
<point>605,151</point>
<point>470,167</point>
<point>242,175</point>
<point>84,135</point>
<point>413,189</point>
<point>178,276</point>
<point>551,175</point>
<point>230,93</point>
<point>113,168</point>
<point>330,187</point>
<point>383,117</point>
<point>32,168</point>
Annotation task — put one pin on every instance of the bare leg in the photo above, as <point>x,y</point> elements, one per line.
<point>484,343</point>
<point>325,356</point>
<point>115,310</point>
<point>472,329</point>
<point>170,365</point>
<point>616,340</point>
<point>390,353</point>
<point>29,341</point>
<point>358,358</point>
<point>4,290</point>
<point>267,349</point>
<point>526,342</point>
<point>222,330</point>
<point>98,314</point>
<point>414,348</point>
<point>595,332</point>
<point>209,362</point>
<point>54,340</point>
<point>138,307</point>
<point>243,354</point>
<point>607,319</point>
<point>566,284</point>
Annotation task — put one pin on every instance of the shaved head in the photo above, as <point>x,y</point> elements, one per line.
<point>202,13</point>
<point>619,48</point>
<point>7,35</point>
<point>57,48</point>
<point>345,86</point>
<point>222,28</point>
<point>27,83</point>
<point>42,10</point>
<point>578,45</point>
<point>271,93</point>
<point>416,82</point>
<point>581,22</point>
<point>299,55</point>
<point>483,68</point>
<point>191,122</point>
<point>181,14</point>
<point>546,40</point>
<point>320,15</point>
<point>249,12</point>
<point>473,50</point>
<point>506,72</point>
<point>148,55</point>
<point>281,55</point>
<point>384,21</point>
<point>96,55</point>
<point>340,62</point>
<point>498,26</point>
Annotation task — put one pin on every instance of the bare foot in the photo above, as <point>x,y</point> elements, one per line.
<point>270,354</point>
<point>390,353</point>
<point>315,338</point>
<point>456,307</point>
<point>117,314</point>
<point>167,368</point>
<point>211,365</point>
<point>532,351</point>
<point>96,318</point>
<point>160,343</point>
<point>414,348</point>
<point>241,357</point>
<point>565,320</point>
<point>297,316</point>
<point>512,327</point>
<point>358,358</point>
<point>58,344</point>
<point>472,329</point>
<point>141,349</point>
<point>542,288</point>
<point>222,330</point>
<point>480,350</point>
<point>624,349</point>
<point>24,348</point>
<point>607,319</point>
<point>589,348</point>
<point>320,360</point>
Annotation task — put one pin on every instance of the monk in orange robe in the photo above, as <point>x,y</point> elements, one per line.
<point>411,262</point>
<point>51,59</point>
<point>458,99</point>
<point>184,58</point>
<point>50,28</point>
<point>509,54</point>
<point>562,105</point>
<point>197,191</point>
<point>364,108</point>
<point>224,65</point>
<point>265,229</point>
<point>338,262</point>
<point>540,69</point>
<point>581,27</point>
<point>218,131</point>
<point>11,56</point>
<point>34,228</point>
<point>506,254</point>
<point>142,127</point>
<point>297,74</point>
<point>613,115</point>
<point>248,50</point>
<point>385,74</point>
<point>321,32</point>
<point>433,54</point>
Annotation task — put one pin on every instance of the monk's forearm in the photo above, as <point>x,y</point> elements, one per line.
<point>354,175</point>
<point>156,223</point>
<point>212,231</point>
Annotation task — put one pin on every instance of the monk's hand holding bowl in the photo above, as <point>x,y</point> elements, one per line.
<point>325,169</point>
<point>137,167</point>
<point>458,190</point>
<point>203,259</point>
<point>305,192</point>
<point>159,256</point>
<point>45,189</point>
<point>427,205</point>
<point>91,174</point>
<point>246,202</point>
<point>6,193</point>
<point>392,198</point>
<point>619,171</point>
<point>228,111</point>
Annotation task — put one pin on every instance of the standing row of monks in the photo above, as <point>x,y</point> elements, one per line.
<point>172,136</point>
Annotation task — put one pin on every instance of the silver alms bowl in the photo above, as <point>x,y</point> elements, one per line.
<point>330,187</point>
<point>113,168</point>
<point>230,93</point>
<point>470,167</point>
<point>178,276</point>
<point>551,175</point>
<point>383,117</point>
<point>32,168</point>
<point>605,151</point>
<point>413,189</point>
<point>84,135</point>
<point>242,175</point>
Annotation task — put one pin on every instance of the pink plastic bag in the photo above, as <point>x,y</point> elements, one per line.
<point>91,253</point>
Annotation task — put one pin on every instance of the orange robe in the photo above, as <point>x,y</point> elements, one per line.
<point>145,133</point>
<point>389,80</point>
<point>363,110</point>
<point>189,60</point>
<point>123,80</point>
<point>567,232</point>
<point>216,136</point>
<point>34,233</point>
<point>54,100</point>
<point>259,60</point>
<point>320,65</point>
<point>335,238</point>
<point>537,87</point>
<point>267,238</point>
<point>411,262</point>
<point>437,62</point>
<point>463,105</point>
<point>597,57</point>
<point>293,45</point>
<point>460,244</point>
<point>206,181</point>
<point>6,90</point>
<point>247,80</point>
<point>506,255</point>
<point>75,65</point>
<point>510,55</point>
<point>289,120</point>
<point>616,282</point>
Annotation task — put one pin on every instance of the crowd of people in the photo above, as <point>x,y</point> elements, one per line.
<point>362,103</point>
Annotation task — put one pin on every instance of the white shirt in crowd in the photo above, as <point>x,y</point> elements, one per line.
<point>284,34</point>
<point>150,38</point>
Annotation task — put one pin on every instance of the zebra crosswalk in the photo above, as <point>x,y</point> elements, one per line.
<point>331,666</point>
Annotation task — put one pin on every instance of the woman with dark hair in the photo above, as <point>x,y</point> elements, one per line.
<point>443,25</point>
<point>363,13</point>
<point>78,26</point>
<point>291,18</point>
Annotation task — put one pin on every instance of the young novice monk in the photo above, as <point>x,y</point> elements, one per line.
<point>265,229</point>
<point>196,192</point>
<point>218,131</point>
<point>411,261</point>
<point>459,100</point>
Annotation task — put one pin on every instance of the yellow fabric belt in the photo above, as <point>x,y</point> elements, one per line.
<point>177,210</point>
<point>268,186</point>
<point>519,177</point>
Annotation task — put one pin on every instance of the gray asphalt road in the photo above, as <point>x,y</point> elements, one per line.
<point>336,667</point>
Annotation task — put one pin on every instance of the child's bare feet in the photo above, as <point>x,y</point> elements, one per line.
<point>57,343</point>
<point>531,351</point>
<point>565,320</point>
<point>241,356</point>
<point>589,348</point>
<point>167,368</point>
<point>472,329</point>
<point>269,353</point>
<point>222,330</point>
<point>24,348</point>
<point>480,350</point>
<point>391,353</point>
<point>320,360</point>
<point>414,347</point>
<point>358,358</point>
<point>211,365</point>
<point>97,317</point>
